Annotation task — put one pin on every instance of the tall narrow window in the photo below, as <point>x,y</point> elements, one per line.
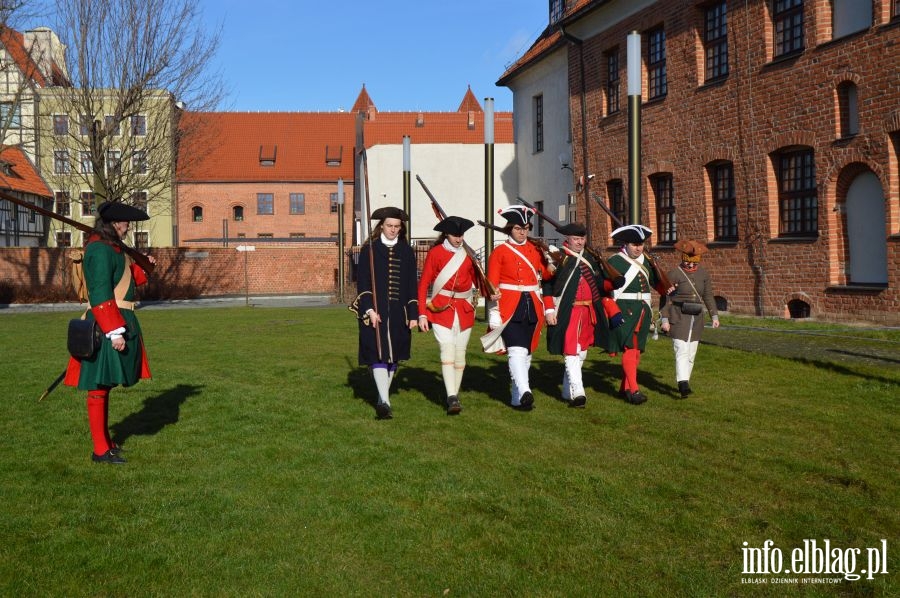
<point>63,239</point>
<point>138,125</point>
<point>664,192</point>
<point>10,115</point>
<point>87,203</point>
<point>715,41</point>
<point>139,162</point>
<point>87,166</point>
<point>557,9</point>
<point>60,124</point>
<point>63,203</point>
<point>298,203</point>
<point>850,16</point>
<point>615,192</point>
<point>895,9</point>
<point>141,240</point>
<point>265,204</point>
<point>787,19</point>
<point>724,203</point>
<point>333,199</point>
<point>797,194</point>
<point>538,123</point>
<point>113,161</point>
<point>237,213</point>
<point>848,103</point>
<point>112,125</point>
<point>61,162</point>
<point>84,125</point>
<point>197,214</point>
<point>139,200</point>
<point>612,81</point>
<point>656,63</point>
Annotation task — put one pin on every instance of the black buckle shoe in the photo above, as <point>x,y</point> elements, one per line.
<point>578,401</point>
<point>108,457</point>
<point>684,388</point>
<point>526,403</point>
<point>635,398</point>
<point>383,411</point>
<point>453,406</point>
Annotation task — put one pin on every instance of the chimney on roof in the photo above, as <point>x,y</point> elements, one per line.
<point>471,121</point>
<point>44,47</point>
<point>420,119</point>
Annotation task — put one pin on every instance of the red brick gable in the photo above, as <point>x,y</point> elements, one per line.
<point>436,127</point>
<point>363,102</point>
<point>22,177</point>
<point>469,102</point>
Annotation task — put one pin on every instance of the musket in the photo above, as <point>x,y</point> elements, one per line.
<point>611,273</point>
<point>139,258</point>
<point>365,165</point>
<point>485,287</point>
<point>654,262</point>
<point>541,246</point>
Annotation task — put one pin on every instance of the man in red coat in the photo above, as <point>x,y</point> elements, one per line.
<point>518,269</point>
<point>450,311</point>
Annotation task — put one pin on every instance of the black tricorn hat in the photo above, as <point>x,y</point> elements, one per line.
<point>631,233</point>
<point>517,214</point>
<point>389,212</point>
<point>574,229</point>
<point>454,225</point>
<point>115,211</point>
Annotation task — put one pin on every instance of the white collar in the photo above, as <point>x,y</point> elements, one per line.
<point>513,241</point>
<point>385,241</point>
<point>446,245</point>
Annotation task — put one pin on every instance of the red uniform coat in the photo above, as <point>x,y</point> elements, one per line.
<point>462,282</point>
<point>505,267</point>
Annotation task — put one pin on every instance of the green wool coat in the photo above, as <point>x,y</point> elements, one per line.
<point>103,268</point>
<point>638,315</point>
<point>556,335</point>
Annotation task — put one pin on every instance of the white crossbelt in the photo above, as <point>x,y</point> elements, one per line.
<point>457,294</point>
<point>636,296</point>
<point>522,288</point>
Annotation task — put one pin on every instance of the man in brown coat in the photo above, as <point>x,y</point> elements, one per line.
<point>682,314</point>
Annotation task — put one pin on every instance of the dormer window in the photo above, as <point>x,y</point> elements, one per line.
<point>267,155</point>
<point>333,155</point>
<point>6,167</point>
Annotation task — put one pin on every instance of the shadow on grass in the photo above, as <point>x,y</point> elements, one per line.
<point>601,378</point>
<point>159,411</point>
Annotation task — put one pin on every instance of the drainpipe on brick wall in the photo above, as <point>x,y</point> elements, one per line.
<point>586,187</point>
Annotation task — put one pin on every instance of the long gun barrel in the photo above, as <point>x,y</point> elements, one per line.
<point>139,258</point>
<point>654,262</point>
<point>614,275</point>
<point>484,285</point>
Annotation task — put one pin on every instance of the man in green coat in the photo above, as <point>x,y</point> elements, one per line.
<point>580,291</point>
<point>635,301</point>
<point>111,277</point>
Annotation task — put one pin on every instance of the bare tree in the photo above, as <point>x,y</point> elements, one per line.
<point>133,66</point>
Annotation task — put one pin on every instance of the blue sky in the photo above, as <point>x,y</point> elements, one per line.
<point>306,55</point>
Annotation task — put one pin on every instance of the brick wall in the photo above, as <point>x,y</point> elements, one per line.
<point>761,107</point>
<point>43,274</point>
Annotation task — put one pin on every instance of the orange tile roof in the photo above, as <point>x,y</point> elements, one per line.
<point>469,102</point>
<point>227,146</point>
<point>14,43</point>
<point>23,175</point>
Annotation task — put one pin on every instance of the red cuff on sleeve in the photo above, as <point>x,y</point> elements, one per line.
<point>108,315</point>
<point>608,286</point>
<point>138,274</point>
<point>610,307</point>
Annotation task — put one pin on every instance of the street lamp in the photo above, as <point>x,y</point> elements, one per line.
<point>634,127</point>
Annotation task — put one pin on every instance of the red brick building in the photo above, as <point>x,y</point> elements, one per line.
<point>769,129</point>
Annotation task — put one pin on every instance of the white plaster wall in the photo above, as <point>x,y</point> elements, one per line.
<point>454,173</point>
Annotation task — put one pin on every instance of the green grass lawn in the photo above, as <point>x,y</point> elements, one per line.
<point>256,468</point>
